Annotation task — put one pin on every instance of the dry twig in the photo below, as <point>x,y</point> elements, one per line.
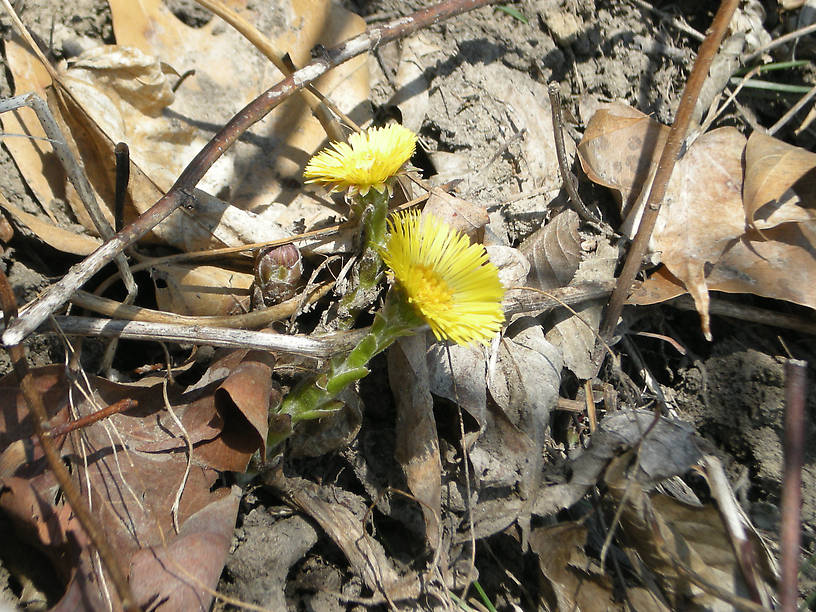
<point>790,532</point>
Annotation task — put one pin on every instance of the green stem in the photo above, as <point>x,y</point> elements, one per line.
<point>317,398</point>
<point>372,209</point>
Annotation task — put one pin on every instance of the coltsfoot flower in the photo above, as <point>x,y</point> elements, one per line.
<point>449,281</point>
<point>367,162</point>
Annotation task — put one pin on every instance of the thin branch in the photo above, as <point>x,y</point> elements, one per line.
<point>255,319</point>
<point>780,41</point>
<point>763,316</point>
<point>181,193</point>
<point>560,153</point>
<point>792,111</point>
<point>121,406</point>
<point>674,21</point>
<point>76,174</point>
<point>319,348</point>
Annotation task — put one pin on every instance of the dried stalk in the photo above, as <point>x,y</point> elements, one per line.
<point>753,314</point>
<point>517,301</point>
<point>181,193</point>
<point>254,319</point>
<point>89,419</point>
<point>566,177</point>
<point>319,348</point>
<point>791,529</point>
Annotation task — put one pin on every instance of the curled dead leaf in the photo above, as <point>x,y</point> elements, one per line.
<point>780,182</point>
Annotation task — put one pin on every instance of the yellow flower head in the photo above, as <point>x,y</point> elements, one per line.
<point>448,280</point>
<point>368,160</point>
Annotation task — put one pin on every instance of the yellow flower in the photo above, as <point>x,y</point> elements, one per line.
<point>448,280</point>
<point>368,160</point>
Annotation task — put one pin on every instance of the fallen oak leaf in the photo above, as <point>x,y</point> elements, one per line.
<point>620,150</point>
<point>161,150</point>
<point>200,290</point>
<point>675,539</point>
<point>775,263</point>
<point>702,212</point>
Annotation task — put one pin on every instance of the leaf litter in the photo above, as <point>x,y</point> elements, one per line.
<point>392,496</point>
<point>708,235</point>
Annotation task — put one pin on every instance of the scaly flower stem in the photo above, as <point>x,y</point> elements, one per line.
<point>373,209</point>
<point>318,397</point>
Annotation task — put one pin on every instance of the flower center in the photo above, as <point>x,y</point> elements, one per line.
<point>365,162</point>
<point>432,292</point>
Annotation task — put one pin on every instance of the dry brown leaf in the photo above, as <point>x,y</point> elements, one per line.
<point>776,263</point>
<point>620,150</point>
<point>410,83</point>
<point>554,252</point>
<point>36,161</point>
<point>703,233</point>
<point>230,73</point>
<point>462,215</point>
<point>200,290</point>
<point>39,166</point>
<point>702,213</point>
<point>342,515</point>
<point>129,467</point>
<point>52,235</point>
<point>470,372</point>
<point>243,401</point>
<point>417,445</point>
<point>665,532</point>
<point>559,257</point>
<point>575,581</point>
<point>132,488</point>
<point>780,182</point>
<point>526,380</point>
<point>661,285</point>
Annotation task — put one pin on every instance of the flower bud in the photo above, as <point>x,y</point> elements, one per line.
<point>277,273</point>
